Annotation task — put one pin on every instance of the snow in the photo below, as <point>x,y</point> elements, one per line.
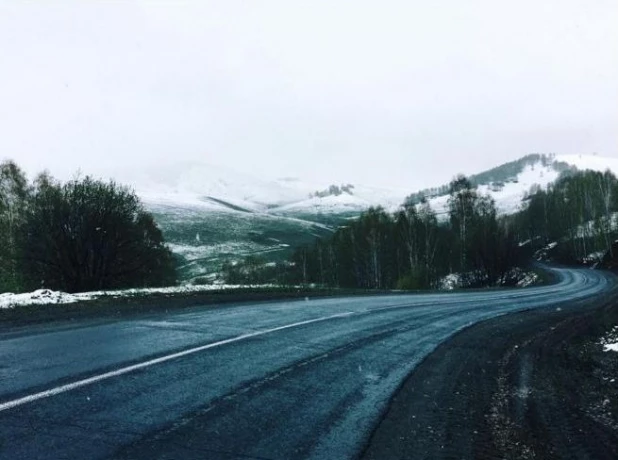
<point>38,297</point>
<point>163,198</point>
<point>509,198</point>
<point>339,203</point>
<point>196,184</point>
<point>450,282</point>
<point>362,198</point>
<point>193,184</point>
<point>516,275</point>
<point>48,297</point>
<point>610,340</point>
<point>595,256</point>
<point>610,347</point>
<point>528,279</point>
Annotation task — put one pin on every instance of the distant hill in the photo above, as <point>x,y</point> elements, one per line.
<point>211,215</point>
<point>495,179</point>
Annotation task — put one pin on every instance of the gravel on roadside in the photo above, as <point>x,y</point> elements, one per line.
<point>536,384</point>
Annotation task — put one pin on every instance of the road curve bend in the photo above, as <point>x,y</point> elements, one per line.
<point>288,379</point>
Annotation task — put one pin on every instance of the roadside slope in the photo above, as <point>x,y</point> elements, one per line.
<point>519,386</point>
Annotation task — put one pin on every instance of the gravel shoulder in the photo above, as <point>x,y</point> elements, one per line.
<point>535,384</point>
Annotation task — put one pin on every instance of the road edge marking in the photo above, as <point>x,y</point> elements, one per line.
<point>151,362</point>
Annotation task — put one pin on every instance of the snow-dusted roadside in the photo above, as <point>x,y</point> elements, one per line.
<point>610,340</point>
<point>38,297</point>
<point>515,277</point>
<point>47,296</point>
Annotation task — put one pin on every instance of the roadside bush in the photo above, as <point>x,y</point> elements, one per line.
<point>412,281</point>
<point>91,235</point>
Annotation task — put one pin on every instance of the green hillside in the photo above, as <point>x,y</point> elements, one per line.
<point>203,240</point>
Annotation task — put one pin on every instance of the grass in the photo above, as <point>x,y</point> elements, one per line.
<point>228,236</point>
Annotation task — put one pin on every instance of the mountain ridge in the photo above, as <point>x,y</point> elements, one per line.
<point>202,185</point>
<point>212,216</point>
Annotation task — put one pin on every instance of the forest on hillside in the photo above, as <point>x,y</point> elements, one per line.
<point>412,249</point>
<point>86,234</point>
<point>497,176</point>
<point>573,221</point>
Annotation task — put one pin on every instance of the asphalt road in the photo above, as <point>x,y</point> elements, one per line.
<point>301,379</point>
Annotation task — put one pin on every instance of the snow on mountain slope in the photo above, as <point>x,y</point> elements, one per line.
<point>217,188</point>
<point>361,198</point>
<point>390,199</point>
<point>508,199</point>
<point>329,204</point>
<point>192,183</point>
<point>508,196</point>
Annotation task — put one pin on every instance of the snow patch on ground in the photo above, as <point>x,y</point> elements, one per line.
<point>450,282</point>
<point>327,204</point>
<point>216,188</point>
<point>514,277</point>
<point>610,340</point>
<point>38,297</point>
<point>49,297</point>
<point>528,279</point>
<point>544,252</point>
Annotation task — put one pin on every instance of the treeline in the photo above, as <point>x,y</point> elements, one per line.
<point>412,249</point>
<point>577,214</point>
<point>574,221</point>
<point>76,236</point>
<point>334,190</point>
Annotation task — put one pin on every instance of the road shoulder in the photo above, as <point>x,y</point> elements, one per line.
<point>529,385</point>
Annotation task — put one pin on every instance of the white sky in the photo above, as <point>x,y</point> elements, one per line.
<point>403,93</point>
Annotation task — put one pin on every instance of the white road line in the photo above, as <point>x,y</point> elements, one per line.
<point>125,370</point>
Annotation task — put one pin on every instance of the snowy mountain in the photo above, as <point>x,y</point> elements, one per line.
<point>212,215</point>
<point>210,187</point>
<point>508,184</point>
<point>217,188</point>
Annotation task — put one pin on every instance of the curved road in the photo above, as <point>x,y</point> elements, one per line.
<point>291,379</point>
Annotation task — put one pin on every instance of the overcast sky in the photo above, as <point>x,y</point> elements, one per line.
<point>403,93</point>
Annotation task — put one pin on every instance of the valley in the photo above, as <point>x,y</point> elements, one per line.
<point>211,215</point>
